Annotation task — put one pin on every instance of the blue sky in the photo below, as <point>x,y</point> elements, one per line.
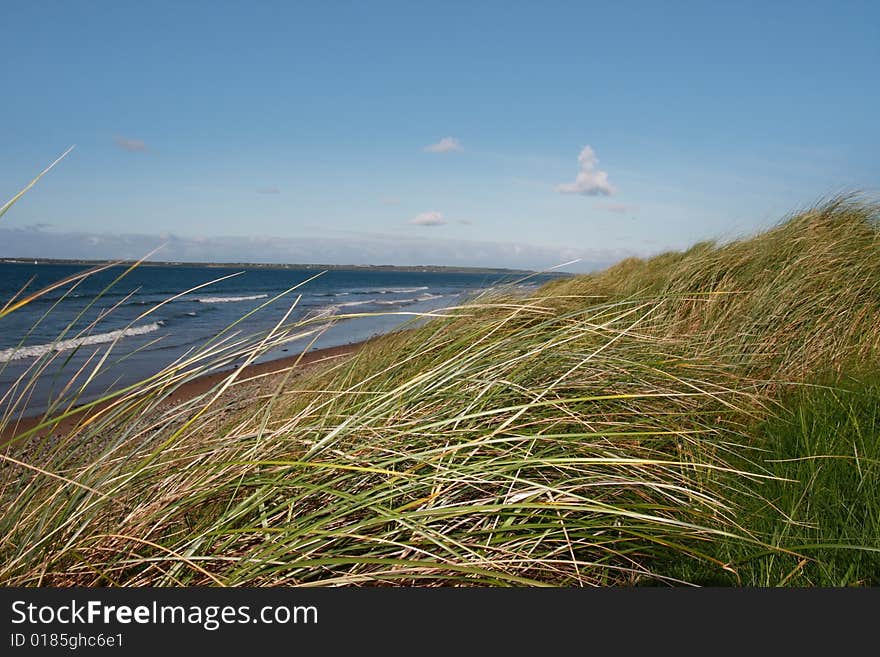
<point>314,121</point>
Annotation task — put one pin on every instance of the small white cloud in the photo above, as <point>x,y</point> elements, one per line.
<point>445,145</point>
<point>130,145</point>
<point>268,190</point>
<point>428,219</point>
<point>590,181</point>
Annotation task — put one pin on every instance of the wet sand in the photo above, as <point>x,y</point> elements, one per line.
<point>252,376</point>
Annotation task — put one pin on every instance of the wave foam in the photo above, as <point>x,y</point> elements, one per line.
<point>231,299</point>
<point>400,302</point>
<point>402,290</point>
<point>37,350</point>
<point>389,290</point>
<point>334,308</point>
<point>355,303</point>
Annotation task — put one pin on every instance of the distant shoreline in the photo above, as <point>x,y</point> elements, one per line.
<point>262,265</point>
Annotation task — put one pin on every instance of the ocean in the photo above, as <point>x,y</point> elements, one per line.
<point>78,320</point>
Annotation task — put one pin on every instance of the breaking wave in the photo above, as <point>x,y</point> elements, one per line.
<point>37,350</point>
<point>231,299</point>
<point>334,308</point>
<point>400,302</point>
<point>338,307</point>
<point>401,290</point>
<point>355,303</point>
<point>389,290</point>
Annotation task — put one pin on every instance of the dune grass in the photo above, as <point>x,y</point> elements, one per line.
<point>654,423</point>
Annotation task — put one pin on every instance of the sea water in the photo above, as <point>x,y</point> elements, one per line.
<point>130,311</point>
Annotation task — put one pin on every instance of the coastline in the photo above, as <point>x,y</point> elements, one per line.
<point>448,269</point>
<point>251,375</point>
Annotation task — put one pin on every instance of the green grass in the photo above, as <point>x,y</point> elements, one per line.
<point>823,503</point>
<point>655,423</point>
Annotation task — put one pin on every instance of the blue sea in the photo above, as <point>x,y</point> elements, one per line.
<point>78,320</point>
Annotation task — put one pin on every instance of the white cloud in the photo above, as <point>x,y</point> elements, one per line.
<point>130,145</point>
<point>445,145</point>
<point>428,219</point>
<point>590,181</point>
<point>268,190</point>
